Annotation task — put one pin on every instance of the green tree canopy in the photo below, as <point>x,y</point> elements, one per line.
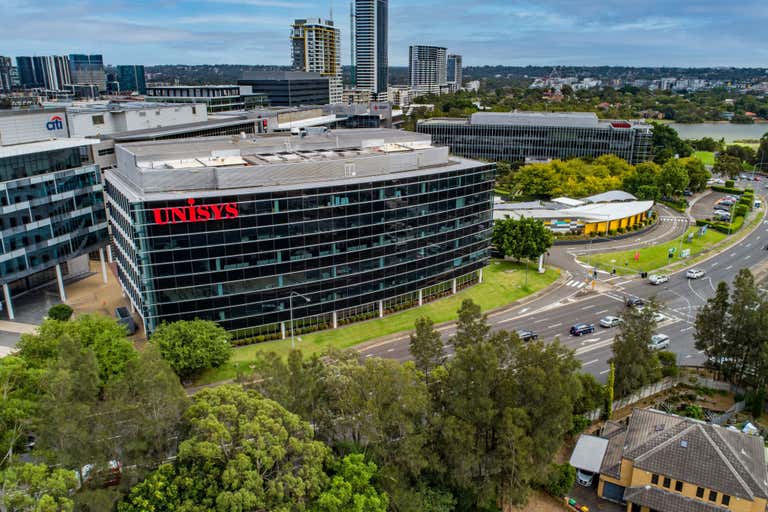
<point>351,489</point>
<point>673,178</point>
<point>636,364</point>
<point>30,487</point>
<point>522,238</point>
<point>191,346</point>
<point>426,345</point>
<point>727,165</point>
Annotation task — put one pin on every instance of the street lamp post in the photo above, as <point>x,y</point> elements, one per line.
<point>290,307</point>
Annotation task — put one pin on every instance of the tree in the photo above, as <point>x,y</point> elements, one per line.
<point>667,143</point>
<point>351,489</point>
<point>61,312</point>
<point>745,331</point>
<point>711,324</point>
<point>522,238</point>
<point>191,346</point>
<point>472,326</point>
<point>36,488</point>
<point>591,396</point>
<point>673,178</point>
<point>727,165</point>
<point>20,392</point>
<point>761,157</point>
<point>426,345</point>
<point>243,452</point>
<point>609,392</point>
<point>636,364</point>
<point>697,174</point>
<point>643,181</point>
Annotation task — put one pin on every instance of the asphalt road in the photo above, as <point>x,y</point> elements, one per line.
<point>551,315</point>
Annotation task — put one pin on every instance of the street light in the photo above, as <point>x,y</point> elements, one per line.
<point>290,306</point>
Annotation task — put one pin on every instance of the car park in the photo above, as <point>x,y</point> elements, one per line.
<point>581,329</point>
<point>695,273</point>
<point>526,335</point>
<point>658,278</point>
<point>659,342</point>
<point>610,321</point>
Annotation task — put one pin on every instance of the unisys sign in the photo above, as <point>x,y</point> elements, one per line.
<point>195,213</point>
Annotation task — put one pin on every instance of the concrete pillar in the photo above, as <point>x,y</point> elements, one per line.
<point>454,286</point>
<point>335,320</point>
<point>60,281</point>
<point>541,264</point>
<point>421,298</point>
<point>103,265</point>
<point>109,254</point>
<point>8,303</point>
<point>480,276</point>
<point>282,330</point>
<point>381,309</point>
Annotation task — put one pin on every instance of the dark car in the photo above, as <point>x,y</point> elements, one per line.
<point>722,207</point>
<point>634,302</point>
<point>581,329</point>
<point>526,335</point>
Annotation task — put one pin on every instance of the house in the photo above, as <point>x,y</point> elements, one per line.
<point>660,462</point>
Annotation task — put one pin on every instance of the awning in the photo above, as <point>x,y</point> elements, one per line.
<point>589,452</point>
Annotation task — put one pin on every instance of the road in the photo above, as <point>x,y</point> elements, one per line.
<point>551,315</point>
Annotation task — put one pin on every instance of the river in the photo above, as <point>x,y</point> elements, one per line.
<point>728,131</point>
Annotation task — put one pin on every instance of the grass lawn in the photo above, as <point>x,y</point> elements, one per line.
<point>502,284</point>
<point>655,256</point>
<point>706,157</point>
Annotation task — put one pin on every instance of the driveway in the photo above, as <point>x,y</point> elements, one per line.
<point>588,496</point>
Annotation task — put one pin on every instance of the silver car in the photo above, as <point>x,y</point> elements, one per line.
<point>659,342</point>
<point>610,321</point>
<point>695,273</point>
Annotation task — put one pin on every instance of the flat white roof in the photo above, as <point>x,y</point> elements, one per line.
<point>303,123</point>
<point>568,201</point>
<point>588,453</point>
<point>45,145</point>
<point>594,212</point>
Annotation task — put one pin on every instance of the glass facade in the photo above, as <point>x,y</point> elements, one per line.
<point>351,247</point>
<point>51,210</point>
<point>291,92</point>
<point>520,142</point>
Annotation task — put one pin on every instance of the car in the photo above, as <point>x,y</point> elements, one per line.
<point>721,208</point>
<point>659,317</point>
<point>743,176</point>
<point>526,335</point>
<point>581,329</point>
<point>720,181</point>
<point>658,278</point>
<point>634,302</point>
<point>687,192</point>
<point>757,178</point>
<point>610,321</point>
<point>695,273</point>
<point>659,342</point>
<point>584,477</point>
<point>721,215</point>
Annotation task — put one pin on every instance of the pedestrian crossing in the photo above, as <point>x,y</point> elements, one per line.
<point>674,219</point>
<point>575,283</point>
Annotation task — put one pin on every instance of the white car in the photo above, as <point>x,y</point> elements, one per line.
<point>584,477</point>
<point>659,342</point>
<point>695,273</point>
<point>658,317</point>
<point>610,321</point>
<point>658,278</point>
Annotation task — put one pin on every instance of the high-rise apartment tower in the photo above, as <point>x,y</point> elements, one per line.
<point>316,48</point>
<point>454,72</point>
<point>427,68</point>
<point>371,24</point>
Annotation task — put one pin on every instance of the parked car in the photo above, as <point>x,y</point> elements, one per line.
<point>695,273</point>
<point>610,321</point>
<point>634,302</point>
<point>659,317</point>
<point>581,329</point>
<point>721,208</point>
<point>687,192</point>
<point>658,278</point>
<point>124,317</point>
<point>721,215</point>
<point>584,477</point>
<point>526,335</point>
<point>659,342</point>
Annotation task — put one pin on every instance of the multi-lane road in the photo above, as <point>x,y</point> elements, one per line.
<point>574,301</point>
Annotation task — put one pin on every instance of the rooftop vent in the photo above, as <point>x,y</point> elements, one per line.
<point>684,443</point>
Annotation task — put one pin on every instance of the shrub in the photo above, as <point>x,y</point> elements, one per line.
<point>580,422</point>
<point>755,402</point>
<point>192,346</point>
<point>561,479</point>
<point>60,312</point>
<point>694,411</point>
<point>668,362</point>
<point>741,210</point>
<point>729,183</point>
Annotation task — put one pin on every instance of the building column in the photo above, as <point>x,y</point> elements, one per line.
<point>454,286</point>
<point>60,281</point>
<point>282,330</point>
<point>421,298</point>
<point>381,309</point>
<point>103,265</point>
<point>109,254</point>
<point>479,276</point>
<point>8,303</point>
<point>541,264</point>
<point>335,320</point>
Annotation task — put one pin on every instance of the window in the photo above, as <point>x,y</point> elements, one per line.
<point>667,482</point>
<point>97,119</point>
<point>194,109</point>
<point>679,486</point>
<point>700,492</point>
<point>655,479</point>
<point>712,495</point>
<point>726,500</point>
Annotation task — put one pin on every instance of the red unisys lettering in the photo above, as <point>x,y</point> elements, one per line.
<point>192,213</point>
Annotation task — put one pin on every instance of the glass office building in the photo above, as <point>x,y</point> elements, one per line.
<point>52,209</point>
<point>132,78</point>
<point>361,222</point>
<point>540,136</point>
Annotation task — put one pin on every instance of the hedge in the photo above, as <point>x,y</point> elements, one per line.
<point>722,227</point>
<point>727,190</point>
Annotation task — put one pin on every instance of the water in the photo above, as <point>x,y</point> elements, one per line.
<point>728,131</point>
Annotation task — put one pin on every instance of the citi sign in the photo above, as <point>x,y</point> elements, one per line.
<point>55,123</point>
<point>195,213</point>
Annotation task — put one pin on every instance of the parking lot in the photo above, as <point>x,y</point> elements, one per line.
<point>703,208</point>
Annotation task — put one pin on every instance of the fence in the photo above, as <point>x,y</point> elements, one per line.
<point>722,419</point>
<point>690,378</point>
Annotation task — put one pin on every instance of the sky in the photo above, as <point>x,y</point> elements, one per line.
<point>685,33</point>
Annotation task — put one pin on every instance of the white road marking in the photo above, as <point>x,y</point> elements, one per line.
<point>748,245</point>
<point>524,310</point>
<point>605,371</point>
<point>747,256</point>
<point>686,329</point>
<point>542,320</point>
<point>590,362</point>
<point>729,267</point>
<point>716,263</point>
<point>553,326</point>
<point>733,254</point>
<point>601,311</point>
<point>623,283</point>
<point>588,307</point>
<point>390,350</point>
<point>700,352</point>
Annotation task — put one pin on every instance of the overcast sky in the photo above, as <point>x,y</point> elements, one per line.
<point>540,32</point>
